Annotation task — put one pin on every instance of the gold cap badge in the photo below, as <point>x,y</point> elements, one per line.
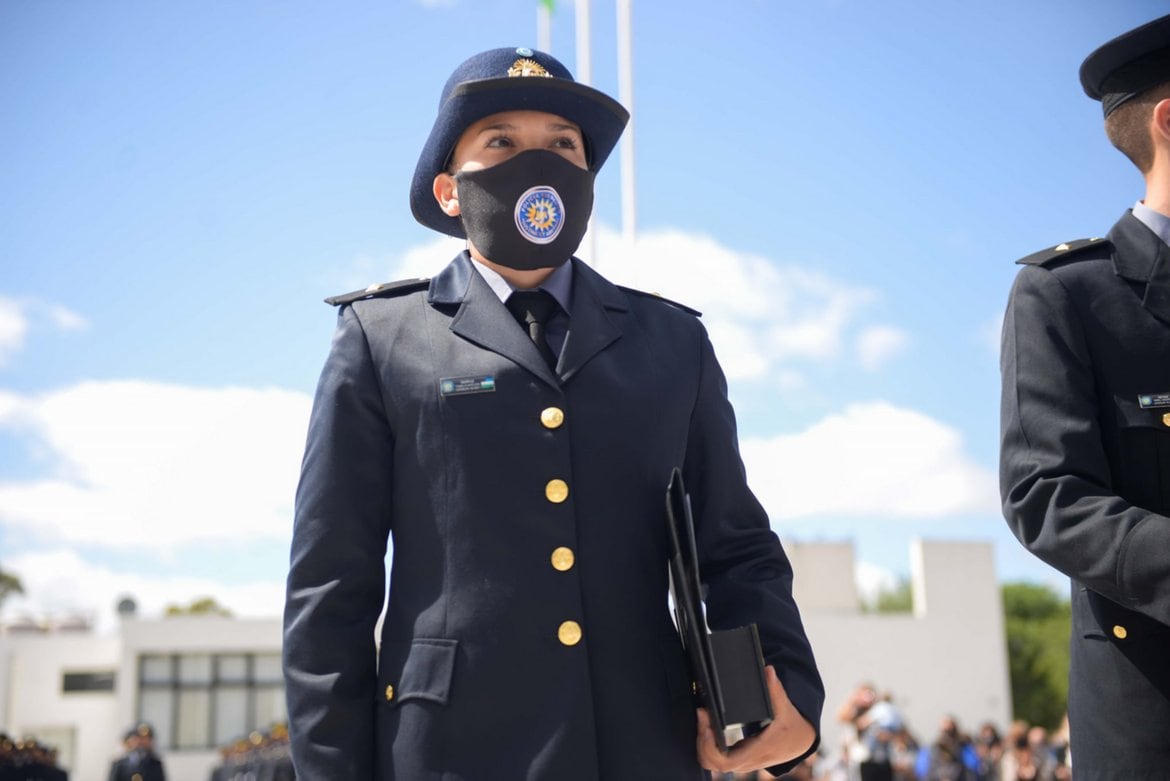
<point>527,67</point>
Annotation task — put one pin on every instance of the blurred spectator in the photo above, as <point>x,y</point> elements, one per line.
<point>951,757</point>
<point>259,757</point>
<point>989,752</point>
<point>904,755</point>
<point>28,760</point>
<point>874,722</point>
<point>139,762</point>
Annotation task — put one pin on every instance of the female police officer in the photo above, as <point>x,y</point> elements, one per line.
<point>513,423</point>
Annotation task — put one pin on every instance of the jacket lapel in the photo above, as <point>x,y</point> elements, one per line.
<point>483,319</point>
<point>1140,255</point>
<point>598,309</point>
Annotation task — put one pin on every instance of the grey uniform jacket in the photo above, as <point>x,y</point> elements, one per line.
<point>436,422</point>
<point>1085,478</point>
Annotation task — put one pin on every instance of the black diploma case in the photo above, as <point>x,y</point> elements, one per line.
<point>727,666</point>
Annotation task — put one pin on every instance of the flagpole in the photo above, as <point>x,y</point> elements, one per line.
<point>544,27</point>
<point>584,60</point>
<point>585,76</point>
<point>626,98</point>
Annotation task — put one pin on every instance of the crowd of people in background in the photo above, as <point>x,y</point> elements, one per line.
<point>259,757</point>
<point>28,760</point>
<point>881,747</point>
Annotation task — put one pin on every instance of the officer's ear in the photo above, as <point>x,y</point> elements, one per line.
<point>447,194</point>
<point>1160,121</point>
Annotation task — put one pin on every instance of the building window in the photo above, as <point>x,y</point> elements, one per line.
<point>101,681</point>
<point>202,701</point>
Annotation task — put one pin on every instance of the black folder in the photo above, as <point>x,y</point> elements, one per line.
<point>727,666</point>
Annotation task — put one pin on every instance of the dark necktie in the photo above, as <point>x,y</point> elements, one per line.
<point>532,309</point>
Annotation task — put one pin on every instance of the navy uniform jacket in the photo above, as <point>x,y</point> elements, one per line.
<point>1085,478</point>
<point>137,766</point>
<point>518,500</point>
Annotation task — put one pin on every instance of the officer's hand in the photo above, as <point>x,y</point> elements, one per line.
<point>787,737</point>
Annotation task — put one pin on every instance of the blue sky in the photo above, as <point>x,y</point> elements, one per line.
<point>841,186</point>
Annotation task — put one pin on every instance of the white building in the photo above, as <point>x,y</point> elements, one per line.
<point>206,681</point>
<point>201,681</point>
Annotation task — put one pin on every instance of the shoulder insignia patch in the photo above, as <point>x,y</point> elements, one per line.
<point>657,297</point>
<point>1061,251</point>
<point>381,290</point>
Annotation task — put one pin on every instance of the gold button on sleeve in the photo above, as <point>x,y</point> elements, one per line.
<point>552,417</point>
<point>556,491</point>
<point>1120,632</point>
<point>569,633</point>
<point>562,559</point>
<point>389,692</point>
<point>1166,419</point>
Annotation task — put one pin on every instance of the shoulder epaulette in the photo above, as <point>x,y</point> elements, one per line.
<point>380,291</point>
<point>657,297</point>
<point>1061,251</point>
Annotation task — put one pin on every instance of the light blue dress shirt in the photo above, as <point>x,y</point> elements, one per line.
<point>559,285</point>
<point>1154,220</point>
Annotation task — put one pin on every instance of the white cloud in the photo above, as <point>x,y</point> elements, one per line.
<point>989,333</point>
<point>149,465</point>
<point>423,260</point>
<point>873,461</point>
<point>18,317</point>
<point>877,344</point>
<point>762,316</point>
<point>13,328</point>
<point>59,584</point>
<point>66,319</point>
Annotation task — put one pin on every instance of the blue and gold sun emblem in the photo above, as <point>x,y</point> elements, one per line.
<point>540,214</point>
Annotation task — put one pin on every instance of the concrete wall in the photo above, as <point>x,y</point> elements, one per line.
<point>947,657</point>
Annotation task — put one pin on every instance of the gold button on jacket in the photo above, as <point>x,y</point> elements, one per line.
<point>569,633</point>
<point>389,692</point>
<point>552,417</point>
<point>1120,632</point>
<point>1166,419</point>
<point>556,491</point>
<point>562,559</point>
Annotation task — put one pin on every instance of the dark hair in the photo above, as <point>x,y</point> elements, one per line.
<point>1128,126</point>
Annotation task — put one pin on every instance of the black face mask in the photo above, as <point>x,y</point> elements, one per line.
<point>527,212</point>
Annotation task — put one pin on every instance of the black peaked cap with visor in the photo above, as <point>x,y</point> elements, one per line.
<point>510,79</point>
<point>1128,65</point>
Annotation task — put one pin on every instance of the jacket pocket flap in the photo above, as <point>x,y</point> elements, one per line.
<point>426,673</point>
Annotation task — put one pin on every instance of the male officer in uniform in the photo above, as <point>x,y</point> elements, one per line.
<point>139,763</point>
<point>1085,451</point>
<point>513,423</point>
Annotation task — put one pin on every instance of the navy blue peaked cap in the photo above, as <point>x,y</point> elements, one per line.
<point>1128,65</point>
<point>510,79</point>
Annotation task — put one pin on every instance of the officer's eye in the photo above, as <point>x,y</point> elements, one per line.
<point>565,142</point>
<point>500,141</point>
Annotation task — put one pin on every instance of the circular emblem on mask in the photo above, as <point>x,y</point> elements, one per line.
<point>540,214</point>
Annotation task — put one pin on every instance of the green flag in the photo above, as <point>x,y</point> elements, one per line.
<point>550,5</point>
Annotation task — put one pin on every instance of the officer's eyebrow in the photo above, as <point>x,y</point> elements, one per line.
<point>495,126</point>
<point>558,127</point>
